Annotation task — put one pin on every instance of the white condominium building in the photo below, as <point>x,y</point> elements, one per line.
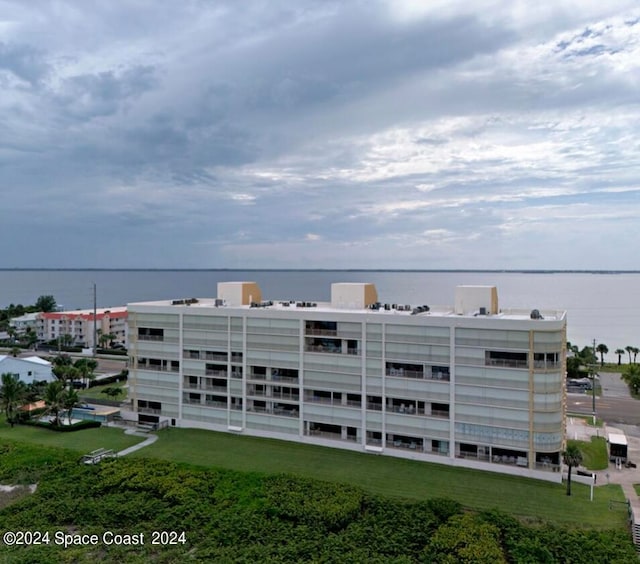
<point>468,385</point>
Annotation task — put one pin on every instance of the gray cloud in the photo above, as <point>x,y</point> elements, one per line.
<point>330,134</point>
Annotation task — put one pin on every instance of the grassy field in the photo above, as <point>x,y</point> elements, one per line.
<point>594,452</point>
<point>531,499</point>
<point>96,392</point>
<point>80,441</point>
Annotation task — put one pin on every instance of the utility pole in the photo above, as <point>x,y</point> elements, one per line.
<point>95,322</point>
<point>593,383</point>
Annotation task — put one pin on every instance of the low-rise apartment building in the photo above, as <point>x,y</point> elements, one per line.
<point>79,325</point>
<point>468,385</point>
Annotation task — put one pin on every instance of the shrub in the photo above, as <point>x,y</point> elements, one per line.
<point>65,428</point>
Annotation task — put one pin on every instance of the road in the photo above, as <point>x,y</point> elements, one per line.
<point>612,410</point>
<point>105,365</point>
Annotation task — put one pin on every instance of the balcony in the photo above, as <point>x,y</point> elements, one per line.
<point>150,337</point>
<point>211,372</point>
<point>321,332</point>
<point>277,411</point>
<point>149,410</point>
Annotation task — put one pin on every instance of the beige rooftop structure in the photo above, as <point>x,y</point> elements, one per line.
<point>472,300</point>
<point>239,293</point>
<point>353,295</point>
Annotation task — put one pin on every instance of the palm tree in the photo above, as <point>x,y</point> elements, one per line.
<point>69,400</point>
<point>31,337</point>
<point>572,457</point>
<point>602,350</point>
<point>619,352</point>
<point>53,399</point>
<point>629,349</point>
<point>86,368</point>
<point>635,351</point>
<point>12,392</point>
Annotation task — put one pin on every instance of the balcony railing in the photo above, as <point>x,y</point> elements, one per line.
<point>506,363</point>
<point>280,412</point>
<point>321,349</point>
<point>287,379</point>
<point>411,445</point>
<point>151,337</point>
<point>321,332</point>
<point>218,404</point>
<point>332,436</point>
<point>211,372</point>
<point>149,410</point>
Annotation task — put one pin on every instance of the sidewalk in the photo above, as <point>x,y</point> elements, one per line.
<point>149,438</point>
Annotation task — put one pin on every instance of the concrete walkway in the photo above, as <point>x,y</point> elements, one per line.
<point>149,439</point>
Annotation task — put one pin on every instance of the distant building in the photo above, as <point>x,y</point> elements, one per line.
<point>25,322</point>
<point>80,325</point>
<point>30,369</point>
<point>467,385</point>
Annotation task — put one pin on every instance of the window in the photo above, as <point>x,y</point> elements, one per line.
<point>150,334</point>
<point>506,359</point>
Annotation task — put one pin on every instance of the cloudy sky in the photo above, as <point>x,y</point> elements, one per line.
<point>331,134</point>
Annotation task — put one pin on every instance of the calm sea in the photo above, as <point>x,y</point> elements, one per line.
<point>601,306</point>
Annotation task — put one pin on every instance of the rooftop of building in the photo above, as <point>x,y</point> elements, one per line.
<point>87,314</point>
<point>481,301</point>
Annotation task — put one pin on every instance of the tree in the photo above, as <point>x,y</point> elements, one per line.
<point>12,392</point>
<point>602,349</point>
<point>103,340</point>
<point>635,351</point>
<point>54,399</point>
<point>15,351</point>
<point>619,352</point>
<point>629,349</point>
<point>632,377</point>
<point>30,337</point>
<point>65,340</point>
<point>465,538</point>
<point>572,457</point>
<point>86,368</point>
<point>46,304</point>
<point>69,400</point>
<point>112,391</point>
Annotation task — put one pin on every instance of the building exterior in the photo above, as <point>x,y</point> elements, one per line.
<point>24,323</point>
<point>470,385</point>
<point>30,369</point>
<point>79,324</point>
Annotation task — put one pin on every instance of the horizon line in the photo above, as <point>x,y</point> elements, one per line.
<point>433,270</point>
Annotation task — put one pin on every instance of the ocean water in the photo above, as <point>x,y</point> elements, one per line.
<point>600,306</point>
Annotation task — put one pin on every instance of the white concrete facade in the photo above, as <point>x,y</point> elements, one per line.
<point>481,390</point>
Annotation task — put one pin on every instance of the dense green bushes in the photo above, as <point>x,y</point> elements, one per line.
<point>85,424</point>
<point>245,517</point>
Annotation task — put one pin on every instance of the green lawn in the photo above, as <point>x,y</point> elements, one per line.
<point>81,441</point>
<point>96,392</point>
<point>393,477</point>
<point>595,455</point>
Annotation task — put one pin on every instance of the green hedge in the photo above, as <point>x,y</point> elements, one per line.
<point>64,428</point>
